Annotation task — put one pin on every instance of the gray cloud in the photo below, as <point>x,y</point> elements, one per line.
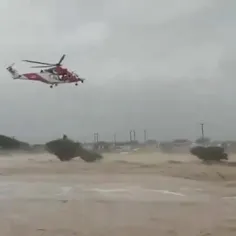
<point>164,66</point>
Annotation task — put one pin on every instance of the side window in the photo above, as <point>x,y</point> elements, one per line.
<point>53,76</point>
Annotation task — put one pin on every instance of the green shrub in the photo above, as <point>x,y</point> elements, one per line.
<point>11,143</point>
<point>212,153</point>
<point>66,149</point>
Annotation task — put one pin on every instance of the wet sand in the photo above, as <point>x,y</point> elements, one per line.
<point>124,194</point>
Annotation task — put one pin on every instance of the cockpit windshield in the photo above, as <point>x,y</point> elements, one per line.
<point>74,74</point>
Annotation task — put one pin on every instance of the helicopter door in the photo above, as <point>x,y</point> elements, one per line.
<point>54,77</point>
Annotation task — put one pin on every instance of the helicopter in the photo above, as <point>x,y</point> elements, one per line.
<point>54,75</point>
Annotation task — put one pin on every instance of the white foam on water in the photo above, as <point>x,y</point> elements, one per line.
<point>65,190</point>
<point>233,197</point>
<point>136,190</point>
<point>167,192</point>
<point>107,190</point>
<point>74,191</point>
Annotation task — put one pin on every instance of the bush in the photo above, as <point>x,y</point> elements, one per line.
<point>9,143</point>
<point>214,153</point>
<point>66,149</point>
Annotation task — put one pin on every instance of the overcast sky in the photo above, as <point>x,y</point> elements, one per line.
<point>161,65</point>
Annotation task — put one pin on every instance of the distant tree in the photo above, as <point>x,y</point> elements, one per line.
<point>12,143</point>
<point>66,150</point>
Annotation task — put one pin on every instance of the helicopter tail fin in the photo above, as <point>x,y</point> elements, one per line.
<point>14,73</point>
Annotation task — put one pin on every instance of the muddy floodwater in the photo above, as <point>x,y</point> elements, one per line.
<point>124,194</point>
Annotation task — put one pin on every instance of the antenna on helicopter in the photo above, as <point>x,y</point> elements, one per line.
<point>44,64</point>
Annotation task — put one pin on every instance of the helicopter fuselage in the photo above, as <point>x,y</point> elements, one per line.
<point>54,75</point>
<point>45,77</point>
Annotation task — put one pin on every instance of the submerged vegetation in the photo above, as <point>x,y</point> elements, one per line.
<point>66,149</point>
<point>10,143</point>
<point>211,153</point>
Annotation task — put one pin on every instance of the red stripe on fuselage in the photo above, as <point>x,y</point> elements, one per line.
<point>35,77</point>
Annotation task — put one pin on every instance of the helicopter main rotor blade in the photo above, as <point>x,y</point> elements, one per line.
<point>46,66</point>
<point>60,61</point>
<point>38,62</point>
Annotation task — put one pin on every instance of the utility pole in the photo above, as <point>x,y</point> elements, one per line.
<point>145,135</point>
<point>202,129</point>
<point>132,135</point>
<point>96,137</point>
<point>114,139</point>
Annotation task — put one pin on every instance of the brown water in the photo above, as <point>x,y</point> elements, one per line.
<point>130,194</point>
